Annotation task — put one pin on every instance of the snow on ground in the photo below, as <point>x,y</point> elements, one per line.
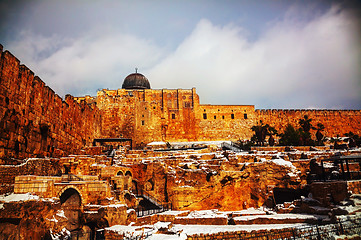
<point>182,231</point>
<point>182,236</point>
<point>247,212</point>
<point>280,161</point>
<point>206,214</point>
<point>132,231</point>
<point>216,143</point>
<point>211,229</point>
<point>280,216</point>
<point>173,212</point>
<point>18,197</point>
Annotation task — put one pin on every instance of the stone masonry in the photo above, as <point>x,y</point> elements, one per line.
<point>36,122</point>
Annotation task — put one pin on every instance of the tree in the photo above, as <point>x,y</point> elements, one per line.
<point>305,124</point>
<point>290,136</point>
<point>261,132</point>
<point>304,130</point>
<point>353,139</point>
<point>271,131</point>
<point>319,136</point>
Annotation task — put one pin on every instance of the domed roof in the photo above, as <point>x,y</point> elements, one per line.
<point>136,81</point>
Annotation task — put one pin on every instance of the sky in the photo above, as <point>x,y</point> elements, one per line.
<point>275,54</point>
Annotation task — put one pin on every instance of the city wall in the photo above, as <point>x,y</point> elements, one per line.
<point>336,122</point>
<point>176,115</point>
<point>34,121</point>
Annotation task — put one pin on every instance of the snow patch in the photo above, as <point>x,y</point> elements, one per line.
<point>280,161</point>
<point>60,213</point>
<point>18,197</point>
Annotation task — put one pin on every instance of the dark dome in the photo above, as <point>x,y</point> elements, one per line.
<point>136,81</point>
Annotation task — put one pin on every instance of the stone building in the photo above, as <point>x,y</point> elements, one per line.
<point>174,115</point>
<point>36,122</point>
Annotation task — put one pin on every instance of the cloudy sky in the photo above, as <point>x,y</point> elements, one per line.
<point>271,54</point>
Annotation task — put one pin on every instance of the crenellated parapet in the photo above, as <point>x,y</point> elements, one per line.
<point>35,121</point>
<point>336,122</point>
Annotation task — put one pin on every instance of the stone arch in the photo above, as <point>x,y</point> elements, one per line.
<point>120,173</point>
<point>67,192</point>
<point>134,186</point>
<point>71,204</point>
<point>127,196</point>
<point>128,173</point>
<point>130,200</point>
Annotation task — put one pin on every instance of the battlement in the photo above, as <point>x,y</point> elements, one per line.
<point>35,121</point>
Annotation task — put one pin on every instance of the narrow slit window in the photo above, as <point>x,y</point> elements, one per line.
<point>232,116</point>
<point>204,115</point>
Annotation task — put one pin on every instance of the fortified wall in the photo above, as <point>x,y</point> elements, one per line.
<point>148,115</point>
<point>336,122</point>
<point>170,115</point>
<point>34,121</point>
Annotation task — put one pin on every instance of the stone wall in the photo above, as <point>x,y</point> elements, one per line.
<point>177,115</point>
<point>148,115</point>
<point>35,166</point>
<point>225,122</point>
<point>336,122</point>
<point>170,115</point>
<point>91,190</point>
<point>34,121</point>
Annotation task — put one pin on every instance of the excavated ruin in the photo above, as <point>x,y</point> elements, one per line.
<point>88,196</point>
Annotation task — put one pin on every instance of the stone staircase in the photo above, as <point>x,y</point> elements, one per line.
<point>149,204</point>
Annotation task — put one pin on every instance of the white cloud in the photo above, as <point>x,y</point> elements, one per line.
<point>80,66</point>
<point>293,64</point>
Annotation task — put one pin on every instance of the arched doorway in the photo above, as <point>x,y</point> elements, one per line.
<point>127,180</point>
<point>70,201</point>
<point>128,173</point>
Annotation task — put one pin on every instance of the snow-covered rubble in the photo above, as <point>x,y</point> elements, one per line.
<point>18,197</point>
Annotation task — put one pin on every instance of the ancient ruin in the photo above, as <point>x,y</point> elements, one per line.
<point>142,163</point>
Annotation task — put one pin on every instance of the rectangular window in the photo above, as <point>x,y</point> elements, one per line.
<point>245,116</point>
<point>173,116</point>
<point>222,117</point>
<point>232,116</point>
<point>143,122</point>
<point>215,117</point>
<point>187,104</point>
<point>204,115</point>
